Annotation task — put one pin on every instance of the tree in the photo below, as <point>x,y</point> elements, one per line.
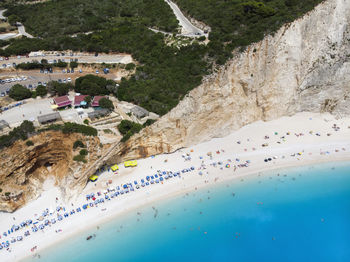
<point>106,103</point>
<point>88,99</point>
<point>41,91</point>
<point>73,64</point>
<point>19,92</point>
<point>12,19</point>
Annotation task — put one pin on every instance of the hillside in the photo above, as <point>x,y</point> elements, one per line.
<point>305,66</point>
<point>166,74</point>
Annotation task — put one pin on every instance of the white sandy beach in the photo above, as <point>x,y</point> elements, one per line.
<point>286,148</point>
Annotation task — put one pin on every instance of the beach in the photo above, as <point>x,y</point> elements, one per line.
<point>303,139</point>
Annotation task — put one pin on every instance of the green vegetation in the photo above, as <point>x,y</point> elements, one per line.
<point>165,74</point>
<point>60,89</point>
<point>106,103</point>
<point>66,17</point>
<point>79,158</point>
<point>69,127</point>
<point>86,121</point>
<point>149,122</point>
<point>239,23</point>
<point>21,132</point>
<point>128,128</point>
<point>40,65</point>
<point>88,100</point>
<point>19,92</point>
<point>41,90</point>
<point>29,143</point>
<point>107,131</point>
<point>93,85</point>
<point>7,194</point>
<point>83,152</point>
<point>78,143</point>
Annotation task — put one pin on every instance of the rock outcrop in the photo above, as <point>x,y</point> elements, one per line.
<point>25,168</point>
<point>305,66</point>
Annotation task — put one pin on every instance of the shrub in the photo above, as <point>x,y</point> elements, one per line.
<point>128,128</point>
<point>106,103</point>
<point>7,194</point>
<point>79,158</point>
<point>19,92</point>
<point>149,122</point>
<point>86,122</point>
<point>76,128</point>
<point>29,143</point>
<point>78,143</point>
<point>21,132</point>
<point>41,90</point>
<point>130,66</point>
<point>83,152</point>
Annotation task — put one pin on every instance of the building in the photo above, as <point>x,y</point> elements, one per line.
<point>139,112</point>
<point>49,118</point>
<point>62,101</point>
<point>3,125</point>
<point>79,101</point>
<point>96,100</point>
<point>98,113</point>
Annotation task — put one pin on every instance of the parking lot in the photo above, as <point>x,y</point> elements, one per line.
<point>31,79</point>
<point>68,57</point>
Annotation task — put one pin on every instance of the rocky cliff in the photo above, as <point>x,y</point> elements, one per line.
<point>305,66</point>
<point>25,168</point>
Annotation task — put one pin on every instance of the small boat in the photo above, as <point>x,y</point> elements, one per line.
<point>89,237</point>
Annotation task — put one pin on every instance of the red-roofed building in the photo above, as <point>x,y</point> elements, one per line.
<point>79,101</point>
<point>96,100</point>
<point>62,101</point>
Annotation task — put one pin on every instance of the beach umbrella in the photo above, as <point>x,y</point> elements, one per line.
<point>227,165</point>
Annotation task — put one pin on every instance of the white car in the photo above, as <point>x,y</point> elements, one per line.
<point>24,78</point>
<point>18,79</point>
<point>19,57</point>
<point>1,58</point>
<point>9,65</point>
<point>64,80</point>
<point>69,79</point>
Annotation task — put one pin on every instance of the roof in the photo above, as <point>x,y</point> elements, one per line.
<point>99,112</point>
<point>62,101</point>
<point>139,111</point>
<point>79,99</point>
<point>96,100</point>
<point>49,117</point>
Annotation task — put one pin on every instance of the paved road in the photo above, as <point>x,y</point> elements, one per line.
<point>187,28</point>
<point>2,14</point>
<point>22,30</point>
<point>82,58</point>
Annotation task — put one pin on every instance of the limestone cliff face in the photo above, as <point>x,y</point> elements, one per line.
<point>305,66</point>
<point>25,168</point>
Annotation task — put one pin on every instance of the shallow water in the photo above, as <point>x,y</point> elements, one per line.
<point>301,215</point>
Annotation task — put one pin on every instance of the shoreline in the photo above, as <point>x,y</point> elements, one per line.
<point>313,152</point>
<point>174,195</point>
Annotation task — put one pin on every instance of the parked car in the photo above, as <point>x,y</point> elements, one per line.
<point>80,71</point>
<point>64,80</point>
<point>6,58</point>
<point>59,80</point>
<point>1,58</point>
<point>68,71</point>
<point>72,70</point>
<point>64,70</point>
<point>97,72</point>
<point>41,70</point>
<point>39,83</point>
<point>30,86</point>
<point>4,65</point>
<point>69,79</point>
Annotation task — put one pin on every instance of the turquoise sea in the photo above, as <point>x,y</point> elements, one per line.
<point>296,215</point>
